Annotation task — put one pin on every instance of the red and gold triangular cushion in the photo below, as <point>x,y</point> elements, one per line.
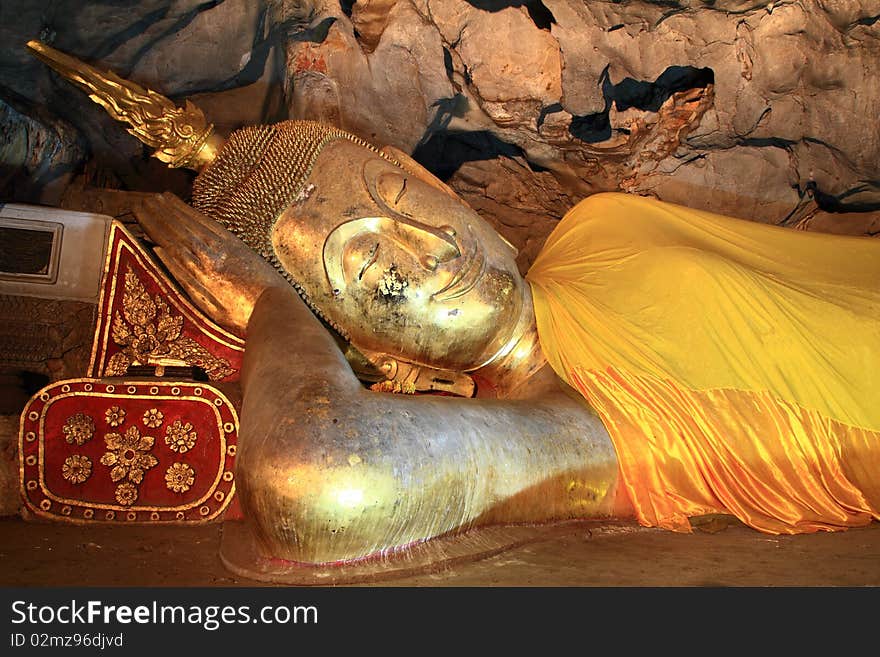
<point>143,319</point>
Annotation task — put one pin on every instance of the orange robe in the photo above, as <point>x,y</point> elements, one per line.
<point>736,365</point>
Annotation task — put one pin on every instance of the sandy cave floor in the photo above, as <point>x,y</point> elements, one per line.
<point>38,554</point>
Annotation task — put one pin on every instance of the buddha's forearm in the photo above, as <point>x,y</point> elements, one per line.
<point>330,471</point>
<point>331,481</point>
<point>288,346</point>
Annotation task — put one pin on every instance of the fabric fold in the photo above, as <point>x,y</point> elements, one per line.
<point>736,365</point>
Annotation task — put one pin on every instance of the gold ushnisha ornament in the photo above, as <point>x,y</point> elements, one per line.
<point>181,136</point>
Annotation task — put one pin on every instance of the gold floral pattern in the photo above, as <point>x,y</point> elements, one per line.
<point>397,387</point>
<point>153,418</point>
<point>179,477</point>
<point>126,494</point>
<point>77,468</point>
<point>114,416</point>
<point>128,455</point>
<point>180,436</point>
<point>79,429</point>
<point>147,332</point>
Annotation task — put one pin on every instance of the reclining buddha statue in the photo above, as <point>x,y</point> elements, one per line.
<point>657,362</point>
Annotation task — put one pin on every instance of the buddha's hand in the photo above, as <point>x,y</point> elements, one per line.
<point>221,275</point>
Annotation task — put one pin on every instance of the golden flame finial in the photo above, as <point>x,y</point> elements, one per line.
<point>181,136</point>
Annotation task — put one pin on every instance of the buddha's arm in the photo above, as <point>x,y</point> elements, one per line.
<point>329,470</point>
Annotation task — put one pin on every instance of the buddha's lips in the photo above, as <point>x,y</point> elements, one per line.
<point>465,278</point>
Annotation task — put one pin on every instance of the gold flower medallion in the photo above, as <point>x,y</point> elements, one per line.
<point>114,416</point>
<point>76,468</point>
<point>179,477</point>
<point>126,494</point>
<point>153,418</point>
<point>180,436</point>
<point>128,455</point>
<point>79,429</point>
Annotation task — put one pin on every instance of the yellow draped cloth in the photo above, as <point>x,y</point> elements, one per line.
<point>736,365</point>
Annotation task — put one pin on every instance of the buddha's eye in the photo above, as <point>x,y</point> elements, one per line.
<point>370,259</point>
<point>391,188</point>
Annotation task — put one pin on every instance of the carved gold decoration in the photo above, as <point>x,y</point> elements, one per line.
<point>153,418</point>
<point>64,474</point>
<point>407,378</point>
<point>182,136</point>
<point>79,429</point>
<point>149,334</point>
<point>180,436</point>
<point>405,388</point>
<point>128,455</point>
<point>126,494</point>
<point>76,468</point>
<point>179,477</point>
<point>114,416</point>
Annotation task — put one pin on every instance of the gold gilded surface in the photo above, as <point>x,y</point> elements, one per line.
<point>409,276</point>
<point>361,473</point>
<point>181,136</point>
<point>403,267</point>
<point>264,169</point>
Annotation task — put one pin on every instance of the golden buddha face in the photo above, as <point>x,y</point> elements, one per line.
<point>400,264</point>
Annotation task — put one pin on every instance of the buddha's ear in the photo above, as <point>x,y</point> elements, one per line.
<point>414,168</point>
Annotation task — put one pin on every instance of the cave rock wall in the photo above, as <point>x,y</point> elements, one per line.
<point>766,111</point>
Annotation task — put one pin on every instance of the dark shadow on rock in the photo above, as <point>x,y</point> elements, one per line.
<point>541,16</point>
<point>861,198</point>
<point>278,35</point>
<point>444,152</point>
<point>647,96</point>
